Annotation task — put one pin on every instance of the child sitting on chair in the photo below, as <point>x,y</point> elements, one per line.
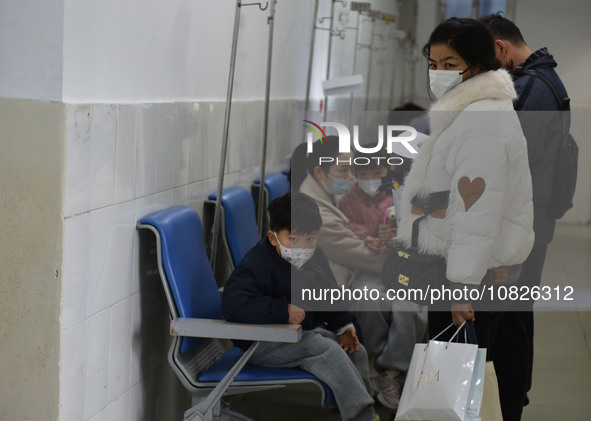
<point>369,207</point>
<point>259,291</point>
<point>369,204</point>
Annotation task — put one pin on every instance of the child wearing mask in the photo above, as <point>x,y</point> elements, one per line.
<point>259,291</point>
<point>369,203</point>
<point>369,207</point>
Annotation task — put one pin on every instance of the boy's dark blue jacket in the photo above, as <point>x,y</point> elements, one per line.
<point>259,289</point>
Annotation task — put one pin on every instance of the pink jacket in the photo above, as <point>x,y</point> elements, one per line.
<point>365,212</point>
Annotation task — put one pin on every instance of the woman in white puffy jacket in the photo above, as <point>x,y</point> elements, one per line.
<point>478,153</point>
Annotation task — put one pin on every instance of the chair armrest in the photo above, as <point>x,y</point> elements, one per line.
<point>222,329</point>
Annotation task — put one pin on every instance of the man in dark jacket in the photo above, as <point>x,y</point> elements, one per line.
<point>542,122</point>
<point>260,289</point>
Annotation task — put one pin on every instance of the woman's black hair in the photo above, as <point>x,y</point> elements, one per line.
<point>303,163</point>
<point>470,38</point>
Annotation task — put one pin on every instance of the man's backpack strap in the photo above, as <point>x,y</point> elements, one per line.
<point>563,103</point>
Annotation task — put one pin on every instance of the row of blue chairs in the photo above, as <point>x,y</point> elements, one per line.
<point>200,355</point>
<point>238,230</point>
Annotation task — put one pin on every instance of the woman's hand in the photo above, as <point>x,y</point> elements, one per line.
<point>460,312</point>
<point>349,340</point>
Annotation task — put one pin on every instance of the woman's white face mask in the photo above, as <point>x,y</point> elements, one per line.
<point>443,81</point>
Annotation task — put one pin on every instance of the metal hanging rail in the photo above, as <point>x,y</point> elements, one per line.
<point>363,10</point>
<point>399,50</point>
<point>375,15</point>
<point>382,64</point>
<point>261,210</point>
<point>311,59</point>
<point>385,20</point>
<point>216,219</point>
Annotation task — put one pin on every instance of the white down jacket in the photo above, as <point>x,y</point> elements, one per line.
<point>475,133</point>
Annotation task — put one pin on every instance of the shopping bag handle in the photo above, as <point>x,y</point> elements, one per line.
<point>469,334</point>
<point>447,328</point>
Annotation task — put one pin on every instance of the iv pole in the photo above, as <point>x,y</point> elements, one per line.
<point>216,219</point>
<point>271,23</point>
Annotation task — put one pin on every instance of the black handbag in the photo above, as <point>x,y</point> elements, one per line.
<point>406,271</point>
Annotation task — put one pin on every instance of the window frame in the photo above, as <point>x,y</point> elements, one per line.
<point>509,12</point>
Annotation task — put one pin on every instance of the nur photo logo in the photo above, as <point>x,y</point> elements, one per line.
<point>394,137</point>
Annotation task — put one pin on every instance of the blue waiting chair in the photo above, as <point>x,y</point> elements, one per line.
<point>238,232</point>
<point>276,185</point>
<point>198,356</point>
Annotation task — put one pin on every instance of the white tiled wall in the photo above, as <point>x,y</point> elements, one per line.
<point>123,162</point>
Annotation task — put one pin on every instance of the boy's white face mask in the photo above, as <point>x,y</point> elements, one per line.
<point>443,81</point>
<point>370,186</point>
<point>296,256</point>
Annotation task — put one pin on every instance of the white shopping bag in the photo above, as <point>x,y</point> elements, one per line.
<point>438,382</point>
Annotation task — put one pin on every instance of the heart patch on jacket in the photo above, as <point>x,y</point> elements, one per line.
<point>471,191</point>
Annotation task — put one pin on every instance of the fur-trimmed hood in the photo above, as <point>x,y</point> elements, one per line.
<point>492,85</point>
<point>489,85</point>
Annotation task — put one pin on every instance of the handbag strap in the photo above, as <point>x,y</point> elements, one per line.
<point>415,231</point>
<point>471,332</point>
<point>427,205</point>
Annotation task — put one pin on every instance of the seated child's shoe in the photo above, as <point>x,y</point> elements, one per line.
<point>387,390</point>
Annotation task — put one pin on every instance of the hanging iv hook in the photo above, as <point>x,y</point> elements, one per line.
<point>255,4</point>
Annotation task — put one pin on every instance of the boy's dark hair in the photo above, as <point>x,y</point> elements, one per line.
<point>502,28</point>
<point>470,38</point>
<point>295,212</point>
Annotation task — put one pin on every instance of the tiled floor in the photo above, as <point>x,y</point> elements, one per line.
<point>562,364</point>
<point>562,368</point>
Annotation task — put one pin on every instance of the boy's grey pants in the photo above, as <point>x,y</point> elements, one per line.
<point>319,353</point>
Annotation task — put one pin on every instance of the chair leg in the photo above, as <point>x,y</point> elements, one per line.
<point>228,414</point>
<point>221,412</point>
<point>209,409</point>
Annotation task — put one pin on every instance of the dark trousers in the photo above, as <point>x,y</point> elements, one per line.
<point>513,351</point>
<point>509,339</point>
